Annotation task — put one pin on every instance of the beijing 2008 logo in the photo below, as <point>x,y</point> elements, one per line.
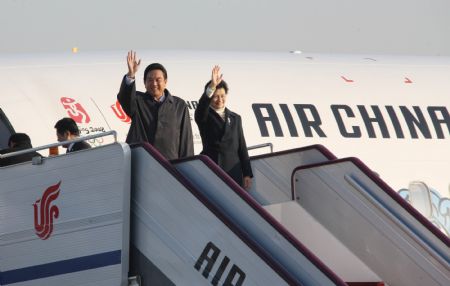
<point>44,212</point>
<point>75,110</point>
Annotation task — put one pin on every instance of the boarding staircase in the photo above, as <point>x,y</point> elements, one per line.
<point>351,215</point>
<point>117,212</point>
<point>64,220</point>
<point>180,238</point>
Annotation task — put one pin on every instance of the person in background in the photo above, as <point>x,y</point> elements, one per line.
<point>18,142</point>
<point>67,129</point>
<point>221,131</point>
<point>158,117</point>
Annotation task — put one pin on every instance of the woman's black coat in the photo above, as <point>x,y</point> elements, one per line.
<point>223,141</point>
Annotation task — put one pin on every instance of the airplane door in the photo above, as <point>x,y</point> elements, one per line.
<point>6,130</point>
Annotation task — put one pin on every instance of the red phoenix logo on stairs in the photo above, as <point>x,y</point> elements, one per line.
<point>44,212</point>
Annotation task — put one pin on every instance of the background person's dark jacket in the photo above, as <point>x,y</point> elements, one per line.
<point>223,141</point>
<point>79,146</point>
<point>166,126</point>
<point>18,158</point>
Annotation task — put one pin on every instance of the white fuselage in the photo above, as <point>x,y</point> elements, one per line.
<point>391,112</point>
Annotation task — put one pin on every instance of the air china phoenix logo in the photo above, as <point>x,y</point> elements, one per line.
<point>44,212</point>
<point>75,110</point>
<point>118,111</point>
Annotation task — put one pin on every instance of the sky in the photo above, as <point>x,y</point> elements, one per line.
<point>410,27</point>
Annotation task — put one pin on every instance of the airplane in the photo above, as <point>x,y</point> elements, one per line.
<point>389,112</point>
<point>397,106</point>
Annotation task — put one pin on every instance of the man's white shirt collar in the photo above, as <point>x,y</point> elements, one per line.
<point>70,147</point>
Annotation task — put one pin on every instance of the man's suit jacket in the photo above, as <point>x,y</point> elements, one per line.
<point>166,126</point>
<point>19,158</point>
<point>223,141</point>
<point>79,146</point>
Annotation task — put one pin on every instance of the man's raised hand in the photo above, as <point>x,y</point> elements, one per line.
<point>133,64</point>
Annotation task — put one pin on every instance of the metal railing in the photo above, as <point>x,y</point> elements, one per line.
<point>261,146</point>
<point>79,139</point>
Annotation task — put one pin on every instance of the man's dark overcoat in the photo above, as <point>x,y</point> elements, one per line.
<point>167,125</point>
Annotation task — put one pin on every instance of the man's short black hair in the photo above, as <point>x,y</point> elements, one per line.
<point>155,66</point>
<point>21,139</point>
<point>222,84</point>
<point>67,124</point>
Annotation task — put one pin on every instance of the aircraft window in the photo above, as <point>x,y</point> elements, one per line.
<point>6,130</point>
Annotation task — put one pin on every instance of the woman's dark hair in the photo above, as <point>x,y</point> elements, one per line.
<point>222,84</point>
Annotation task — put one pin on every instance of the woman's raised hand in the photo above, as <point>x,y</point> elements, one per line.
<point>216,77</point>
